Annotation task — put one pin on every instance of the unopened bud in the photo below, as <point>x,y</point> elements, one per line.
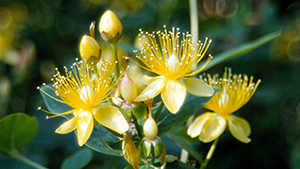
<point>150,128</point>
<point>128,89</point>
<point>89,49</point>
<point>139,110</point>
<point>136,74</point>
<point>126,109</point>
<point>110,27</point>
<point>150,150</point>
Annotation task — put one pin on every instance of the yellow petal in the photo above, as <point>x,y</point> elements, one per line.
<point>195,128</point>
<point>197,87</point>
<point>173,95</point>
<point>239,128</point>
<point>152,90</point>
<point>212,128</point>
<point>110,117</point>
<point>85,126</point>
<point>67,126</point>
<point>148,80</point>
<point>130,152</point>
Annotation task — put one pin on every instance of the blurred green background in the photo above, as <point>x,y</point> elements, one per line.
<point>38,35</point>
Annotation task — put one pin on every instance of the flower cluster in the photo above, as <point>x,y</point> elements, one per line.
<point>98,92</point>
<point>88,87</point>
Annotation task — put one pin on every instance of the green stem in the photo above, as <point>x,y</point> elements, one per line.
<point>155,116</point>
<point>138,129</point>
<point>119,66</point>
<point>210,153</point>
<point>185,154</point>
<point>194,31</point>
<point>194,18</point>
<point>111,102</point>
<point>15,154</point>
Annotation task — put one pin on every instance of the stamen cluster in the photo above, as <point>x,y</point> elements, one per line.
<point>237,90</point>
<point>168,55</point>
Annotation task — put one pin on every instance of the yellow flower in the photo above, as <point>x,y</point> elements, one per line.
<point>236,92</point>
<point>86,89</point>
<point>173,61</point>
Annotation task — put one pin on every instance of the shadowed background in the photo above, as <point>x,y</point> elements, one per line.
<point>38,35</point>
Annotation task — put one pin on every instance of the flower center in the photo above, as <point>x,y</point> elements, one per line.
<point>172,66</point>
<point>85,94</point>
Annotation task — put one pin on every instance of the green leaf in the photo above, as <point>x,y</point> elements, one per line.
<point>180,136</point>
<point>100,139</point>
<point>78,160</point>
<point>168,121</point>
<point>116,146</point>
<point>17,130</point>
<point>53,105</point>
<point>239,51</point>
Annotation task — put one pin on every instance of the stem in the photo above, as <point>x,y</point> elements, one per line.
<point>210,153</point>
<point>184,156</point>
<point>194,18</point>
<point>119,66</point>
<point>194,31</point>
<point>15,154</point>
<point>158,110</point>
<point>111,102</point>
<point>138,129</point>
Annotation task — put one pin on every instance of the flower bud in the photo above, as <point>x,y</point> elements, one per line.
<point>110,27</point>
<point>139,110</point>
<point>150,128</point>
<point>150,150</point>
<point>128,89</point>
<point>126,109</point>
<point>136,74</point>
<point>89,49</point>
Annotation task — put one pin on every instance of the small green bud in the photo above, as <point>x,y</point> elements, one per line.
<point>139,110</point>
<point>149,150</point>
